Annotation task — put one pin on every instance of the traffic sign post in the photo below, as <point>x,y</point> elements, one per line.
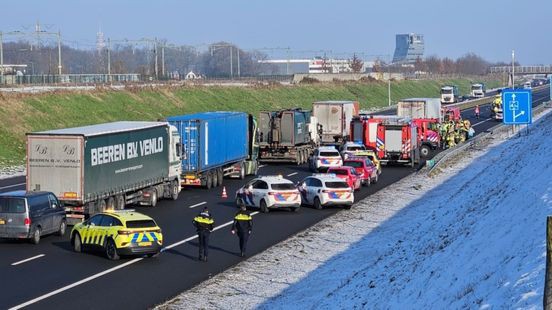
<point>517,106</point>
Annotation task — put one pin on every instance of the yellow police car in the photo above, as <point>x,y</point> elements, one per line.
<point>116,233</point>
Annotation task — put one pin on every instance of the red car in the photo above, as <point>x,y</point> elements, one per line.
<point>348,174</point>
<point>365,168</point>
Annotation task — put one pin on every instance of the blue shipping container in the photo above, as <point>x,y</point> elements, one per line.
<point>212,139</point>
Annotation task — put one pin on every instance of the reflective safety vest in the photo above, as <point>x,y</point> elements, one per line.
<point>242,217</point>
<point>204,220</point>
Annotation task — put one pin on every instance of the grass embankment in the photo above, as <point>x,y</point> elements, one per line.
<point>20,114</point>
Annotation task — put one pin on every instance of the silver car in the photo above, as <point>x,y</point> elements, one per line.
<point>31,215</point>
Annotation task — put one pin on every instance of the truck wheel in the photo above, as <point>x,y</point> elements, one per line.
<point>298,158</point>
<point>153,198</point>
<point>214,177</point>
<point>264,208</point>
<point>209,183</point>
<point>425,151</point>
<point>174,189</point>
<point>242,171</point>
<point>220,176</point>
<point>317,205</point>
<point>120,202</point>
<point>110,204</point>
<point>100,206</point>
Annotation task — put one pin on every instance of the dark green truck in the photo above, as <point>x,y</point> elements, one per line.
<point>106,166</point>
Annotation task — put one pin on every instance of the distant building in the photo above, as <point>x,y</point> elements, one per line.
<point>408,48</point>
<point>311,66</point>
<point>100,41</point>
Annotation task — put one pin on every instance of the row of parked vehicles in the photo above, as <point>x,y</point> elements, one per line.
<point>85,176</point>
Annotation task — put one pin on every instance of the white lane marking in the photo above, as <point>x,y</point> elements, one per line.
<point>9,186</point>
<point>28,259</point>
<point>198,204</point>
<point>260,166</point>
<point>292,174</point>
<point>488,119</point>
<point>110,270</point>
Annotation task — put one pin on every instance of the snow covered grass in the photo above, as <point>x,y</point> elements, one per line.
<point>471,237</point>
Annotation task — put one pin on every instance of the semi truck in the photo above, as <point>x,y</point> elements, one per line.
<point>107,166</point>
<point>478,90</point>
<point>335,119</point>
<point>449,94</point>
<point>216,145</point>
<point>288,135</point>
<point>394,138</point>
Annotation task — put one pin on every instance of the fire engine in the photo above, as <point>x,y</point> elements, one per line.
<point>395,139</point>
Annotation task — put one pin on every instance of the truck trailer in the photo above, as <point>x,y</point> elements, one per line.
<point>335,119</point>
<point>287,136</point>
<point>215,145</point>
<point>106,166</point>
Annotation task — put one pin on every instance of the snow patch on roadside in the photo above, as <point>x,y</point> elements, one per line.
<point>9,172</point>
<point>473,236</point>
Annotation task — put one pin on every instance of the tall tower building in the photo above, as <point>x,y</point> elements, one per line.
<point>408,48</point>
<point>100,41</point>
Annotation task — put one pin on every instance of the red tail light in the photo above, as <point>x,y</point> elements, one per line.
<point>27,221</point>
<point>271,193</point>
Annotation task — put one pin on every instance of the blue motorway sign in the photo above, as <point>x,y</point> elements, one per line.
<point>516,106</point>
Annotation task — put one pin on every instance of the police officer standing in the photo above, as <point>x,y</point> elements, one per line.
<point>204,226</point>
<point>242,225</point>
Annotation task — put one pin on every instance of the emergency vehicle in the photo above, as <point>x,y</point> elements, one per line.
<point>365,168</point>
<point>325,157</point>
<point>351,148</point>
<point>348,174</point>
<point>124,232</point>
<point>395,139</point>
<point>269,192</point>
<point>322,190</point>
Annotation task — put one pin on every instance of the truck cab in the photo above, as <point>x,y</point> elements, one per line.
<point>478,90</point>
<point>449,94</point>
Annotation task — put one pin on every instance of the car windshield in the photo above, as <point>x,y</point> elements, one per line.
<point>329,154</point>
<point>354,164</point>
<point>336,185</point>
<point>476,87</point>
<point>355,148</point>
<point>12,205</point>
<point>141,224</point>
<point>446,91</point>
<point>282,186</point>
<point>339,172</point>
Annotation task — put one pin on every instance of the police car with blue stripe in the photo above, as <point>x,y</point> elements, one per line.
<point>323,190</point>
<point>269,192</point>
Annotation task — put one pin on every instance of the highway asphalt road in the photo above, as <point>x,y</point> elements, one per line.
<point>51,276</point>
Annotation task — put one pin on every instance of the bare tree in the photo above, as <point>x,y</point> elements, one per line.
<point>356,64</point>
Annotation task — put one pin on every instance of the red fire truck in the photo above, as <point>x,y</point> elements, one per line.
<point>395,139</point>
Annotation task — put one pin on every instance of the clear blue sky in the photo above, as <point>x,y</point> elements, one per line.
<point>490,28</point>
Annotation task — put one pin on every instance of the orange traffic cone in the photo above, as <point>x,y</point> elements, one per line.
<point>224,192</point>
